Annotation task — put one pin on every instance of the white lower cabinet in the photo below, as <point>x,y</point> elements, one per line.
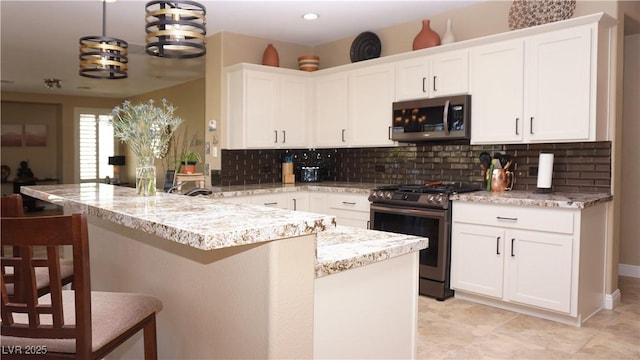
<point>297,201</point>
<point>538,258</point>
<point>349,209</point>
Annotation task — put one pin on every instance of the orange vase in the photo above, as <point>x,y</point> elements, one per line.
<point>426,37</point>
<point>270,56</point>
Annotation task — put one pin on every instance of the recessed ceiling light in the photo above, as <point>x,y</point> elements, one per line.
<point>310,16</point>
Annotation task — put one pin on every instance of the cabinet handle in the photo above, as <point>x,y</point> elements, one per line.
<point>531,125</point>
<point>445,117</point>
<point>343,131</point>
<point>368,224</point>
<point>434,83</point>
<point>517,120</point>
<point>348,203</point>
<point>424,83</point>
<point>276,132</point>
<point>284,136</point>
<point>506,218</point>
<point>498,245</point>
<point>295,205</point>
<point>389,132</point>
<point>271,203</point>
<point>512,240</point>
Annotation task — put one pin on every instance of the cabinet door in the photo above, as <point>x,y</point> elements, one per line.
<point>349,209</point>
<point>261,109</point>
<point>318,202</point>
<point>299,201</point>
<point>371,92</point>
<point>412,79</point>
<point>294,100</point>
<point>477,255</point>
<point>539,269</point>
<point>449,73</point>
<point>277,200</point>
<point>558,106</point>
<point>331,110</point>
<point>497,84</point>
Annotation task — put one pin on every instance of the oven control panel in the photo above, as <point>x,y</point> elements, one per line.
<point>436,199</point>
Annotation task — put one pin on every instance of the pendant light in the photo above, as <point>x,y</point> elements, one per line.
<point>103,57</point>
<point>176,29</point>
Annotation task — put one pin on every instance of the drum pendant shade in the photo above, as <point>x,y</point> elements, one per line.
<point>103,57</point>
<point>175,29</point>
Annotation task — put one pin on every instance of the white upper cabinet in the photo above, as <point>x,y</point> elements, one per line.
<point>370,112</point>
<point>542,88</point>
<point>266,109</point>
<point>547,83</point>
<point>497,72</point>
<point>559,81</point>
<point>294,111</point>
<point>331,110</point>
<point>353,108</point>
<point>433,76</point>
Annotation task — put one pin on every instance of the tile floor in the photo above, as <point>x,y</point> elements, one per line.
<point>459,329</point>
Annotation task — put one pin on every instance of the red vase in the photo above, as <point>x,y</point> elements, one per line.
<point>426,37</point>
<point>270,56</point>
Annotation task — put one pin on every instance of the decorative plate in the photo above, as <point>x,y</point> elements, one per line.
<point>526,13</point>
<point>365,46</point>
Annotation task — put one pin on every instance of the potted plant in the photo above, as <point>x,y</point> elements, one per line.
<point>188,161</point>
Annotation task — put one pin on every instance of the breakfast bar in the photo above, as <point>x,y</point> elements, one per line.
<point>244,281</point>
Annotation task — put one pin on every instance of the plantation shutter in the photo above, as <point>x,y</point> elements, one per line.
<point>96,144</point>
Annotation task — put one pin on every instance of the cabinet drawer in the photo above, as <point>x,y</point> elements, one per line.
<point>353,202</point>
<point>529,218</point>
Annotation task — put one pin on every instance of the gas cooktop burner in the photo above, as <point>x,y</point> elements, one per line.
<point>434,194</point>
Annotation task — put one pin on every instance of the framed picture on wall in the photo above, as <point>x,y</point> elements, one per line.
<point>35,135</point>
<point>11,135</point>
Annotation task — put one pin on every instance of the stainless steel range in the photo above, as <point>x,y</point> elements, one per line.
<point>422,210</point>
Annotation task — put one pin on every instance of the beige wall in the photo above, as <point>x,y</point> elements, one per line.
<point>43,160</point>
<point>66,131</point>
<point>630,172</point>
<point>482,19</point>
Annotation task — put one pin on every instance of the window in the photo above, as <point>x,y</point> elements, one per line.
<point>95,144</point>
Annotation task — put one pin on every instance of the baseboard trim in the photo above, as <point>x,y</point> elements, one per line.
<point>629,270</point>
<point>612,300</point>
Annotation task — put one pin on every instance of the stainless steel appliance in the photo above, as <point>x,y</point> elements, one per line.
<point>432,119</point>
<point>310,174</point>
<point>422,210</point>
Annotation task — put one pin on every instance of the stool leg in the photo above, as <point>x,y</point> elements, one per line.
<point>150,340</point>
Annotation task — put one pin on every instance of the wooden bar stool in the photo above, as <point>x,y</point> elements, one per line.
<point>12,206</point>
<point>77,323</point>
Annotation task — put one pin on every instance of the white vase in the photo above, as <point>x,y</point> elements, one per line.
<point>448,37</point>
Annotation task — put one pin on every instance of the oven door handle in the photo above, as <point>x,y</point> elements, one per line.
<point>413,212</point>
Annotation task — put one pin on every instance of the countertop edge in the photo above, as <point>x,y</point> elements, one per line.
<point>525,198</point>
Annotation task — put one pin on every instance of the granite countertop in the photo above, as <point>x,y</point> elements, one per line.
<point>214,224</point>
<point>527,198</point>
<point>199,222</point>
<point>326,186</point>
<point>343,248</point>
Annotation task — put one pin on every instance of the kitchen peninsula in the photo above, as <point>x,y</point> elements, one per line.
<point>243,281</point>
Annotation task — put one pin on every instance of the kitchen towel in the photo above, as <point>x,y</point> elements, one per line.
<point>545,171</point>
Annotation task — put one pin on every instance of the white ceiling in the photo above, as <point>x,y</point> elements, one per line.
<point>39,39</point>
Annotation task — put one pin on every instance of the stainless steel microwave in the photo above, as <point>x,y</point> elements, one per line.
<point>441,118</point>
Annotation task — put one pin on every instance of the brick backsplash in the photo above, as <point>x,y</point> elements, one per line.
<point>578,167</point>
